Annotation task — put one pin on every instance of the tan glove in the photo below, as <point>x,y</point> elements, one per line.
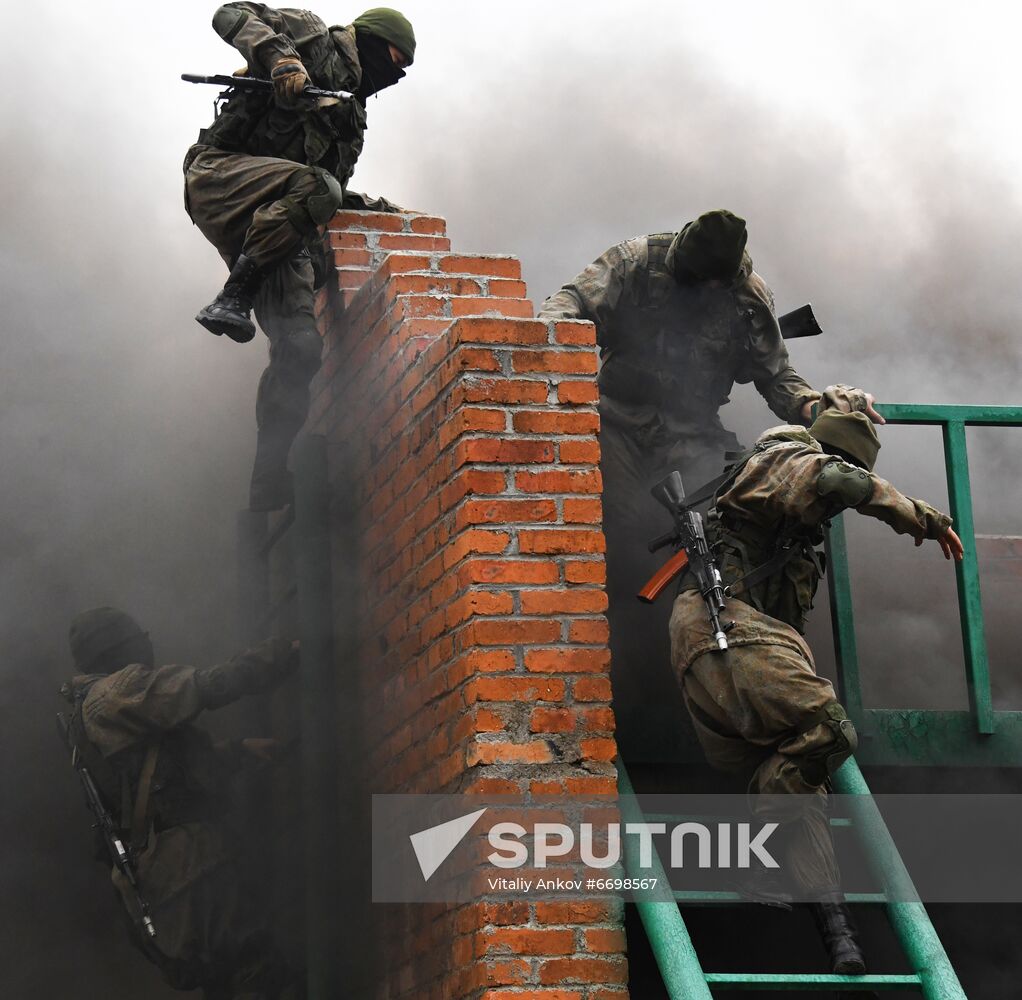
<point>289,80</point>
<point>848,399</point>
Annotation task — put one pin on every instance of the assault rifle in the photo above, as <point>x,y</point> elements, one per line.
<point>693,554</point>
<point>119,854</point>
<point>254,83</point>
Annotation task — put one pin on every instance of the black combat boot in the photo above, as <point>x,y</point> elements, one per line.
<point>229,312</point>
<point>837,930</point>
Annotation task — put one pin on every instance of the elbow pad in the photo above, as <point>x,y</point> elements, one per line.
<point>844,483</point>
<point>227,22</point>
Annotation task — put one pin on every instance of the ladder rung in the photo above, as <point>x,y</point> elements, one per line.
<point>697,897</point>
<point>810,982</point>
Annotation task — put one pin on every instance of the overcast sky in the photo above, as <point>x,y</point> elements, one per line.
<point>873,147</point>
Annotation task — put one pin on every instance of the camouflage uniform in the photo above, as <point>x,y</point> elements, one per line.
<point>670,355</point>
<point>263,180</point>
<point>204,900</point>
<point>759,708</point>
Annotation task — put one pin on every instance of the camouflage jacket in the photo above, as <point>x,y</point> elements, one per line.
<point>328,133</point>
<point>124,713</point>
<point>671,353</point>
<point>780,494</point>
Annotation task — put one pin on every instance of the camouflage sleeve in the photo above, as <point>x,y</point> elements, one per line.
<point>906,515</point>
<point>767,365</point>
<point>359,202</point>
<point>139,702</point>
<point>264,35</point>
<point>595,293</point>
<point>257,669</point>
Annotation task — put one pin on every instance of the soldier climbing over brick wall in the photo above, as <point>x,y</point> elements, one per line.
<point>264,179</point>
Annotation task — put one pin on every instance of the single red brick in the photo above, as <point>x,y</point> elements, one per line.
<point>583,512</point>
<point>497,330</point>
<point>580,452</point>
<point>589,630</point>
<point>559,480</point>
<point>506,512</point>
<point>555,362</point>
<point>413,242</point>
<point>552,720</point>
<point>605,940</point>
<point>353,258</point>
<point>553,422</point>
<point>507,452</point>
<point>563,602</point>
<point>490,305</point>
<point>591,689</point>
<point>531,941</point>
<point>504,288</point>
<point>509,571</point>
<point>516,689</point>
<point>585,571</point>
<point>575,333</point>
<point>536,752</point>
<point>428,224</point>
<point>599,748</point>
<point>388,222</point>
<point>574,912</point>
<point>583,970</point>
<point>598,720</point>
<point>512,633</point>
<point>592,785</point>
<point>555,540</point>
<point>577,393</point>
<point>567,660</point>
<point>344,241</point>
<point>492,266</point>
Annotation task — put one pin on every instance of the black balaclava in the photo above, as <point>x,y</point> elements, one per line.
<point>378,69</point>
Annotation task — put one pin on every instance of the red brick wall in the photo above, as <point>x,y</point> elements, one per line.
<point>472,437</point>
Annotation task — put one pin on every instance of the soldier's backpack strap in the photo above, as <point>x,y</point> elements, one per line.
<point>657,246</point>
<point>140,812</point>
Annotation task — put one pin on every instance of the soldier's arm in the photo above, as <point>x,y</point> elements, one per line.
<point>261,34</point>
<point>767,366</point>
<point>139,702</point>
<point>595,293</point>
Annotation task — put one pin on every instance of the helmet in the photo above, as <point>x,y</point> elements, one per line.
<point>97,633</point>
<point>850,434</point>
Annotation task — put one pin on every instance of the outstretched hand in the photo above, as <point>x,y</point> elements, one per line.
<point>872,413</point>
<point>950,544</point>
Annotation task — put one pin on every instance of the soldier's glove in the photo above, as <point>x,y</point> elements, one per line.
<point>289,80</point>
<point>848,399</point>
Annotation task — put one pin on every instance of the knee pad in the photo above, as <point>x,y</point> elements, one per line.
<point>820,762</point>
<point>316,198</point>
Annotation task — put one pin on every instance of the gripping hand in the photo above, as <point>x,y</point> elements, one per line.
<point>289,80</point>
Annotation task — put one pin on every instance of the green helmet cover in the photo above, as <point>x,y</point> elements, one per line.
<point>851,433</point>
<point>97,631</point>
<point>710,247</point>
<point>390,25</point>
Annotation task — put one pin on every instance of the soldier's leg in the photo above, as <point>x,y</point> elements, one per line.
<point>258,212</point>
<point>284,308</point>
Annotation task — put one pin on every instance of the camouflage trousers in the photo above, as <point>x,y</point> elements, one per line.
<point>269,210</point>
<point>761,711</point>
<point>211,919</point>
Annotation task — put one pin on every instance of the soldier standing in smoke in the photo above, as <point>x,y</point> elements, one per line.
<point>680,318</point>
<point>167,786</point>
<point>263,180</point>
<point>759,709</point>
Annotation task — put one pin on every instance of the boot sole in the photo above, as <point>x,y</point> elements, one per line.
<point>237,332</point>
<point>850,967</point>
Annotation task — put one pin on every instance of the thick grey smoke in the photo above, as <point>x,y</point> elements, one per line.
<point>548,132</point>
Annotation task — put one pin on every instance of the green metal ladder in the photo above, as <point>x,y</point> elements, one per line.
<point>976,736</point>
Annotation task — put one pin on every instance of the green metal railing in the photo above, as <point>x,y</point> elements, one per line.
<point>979,736</point>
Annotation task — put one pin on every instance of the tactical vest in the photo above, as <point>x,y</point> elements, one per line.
<point>330,137</point>
<point>677,347</point>
<point>744,549</point>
